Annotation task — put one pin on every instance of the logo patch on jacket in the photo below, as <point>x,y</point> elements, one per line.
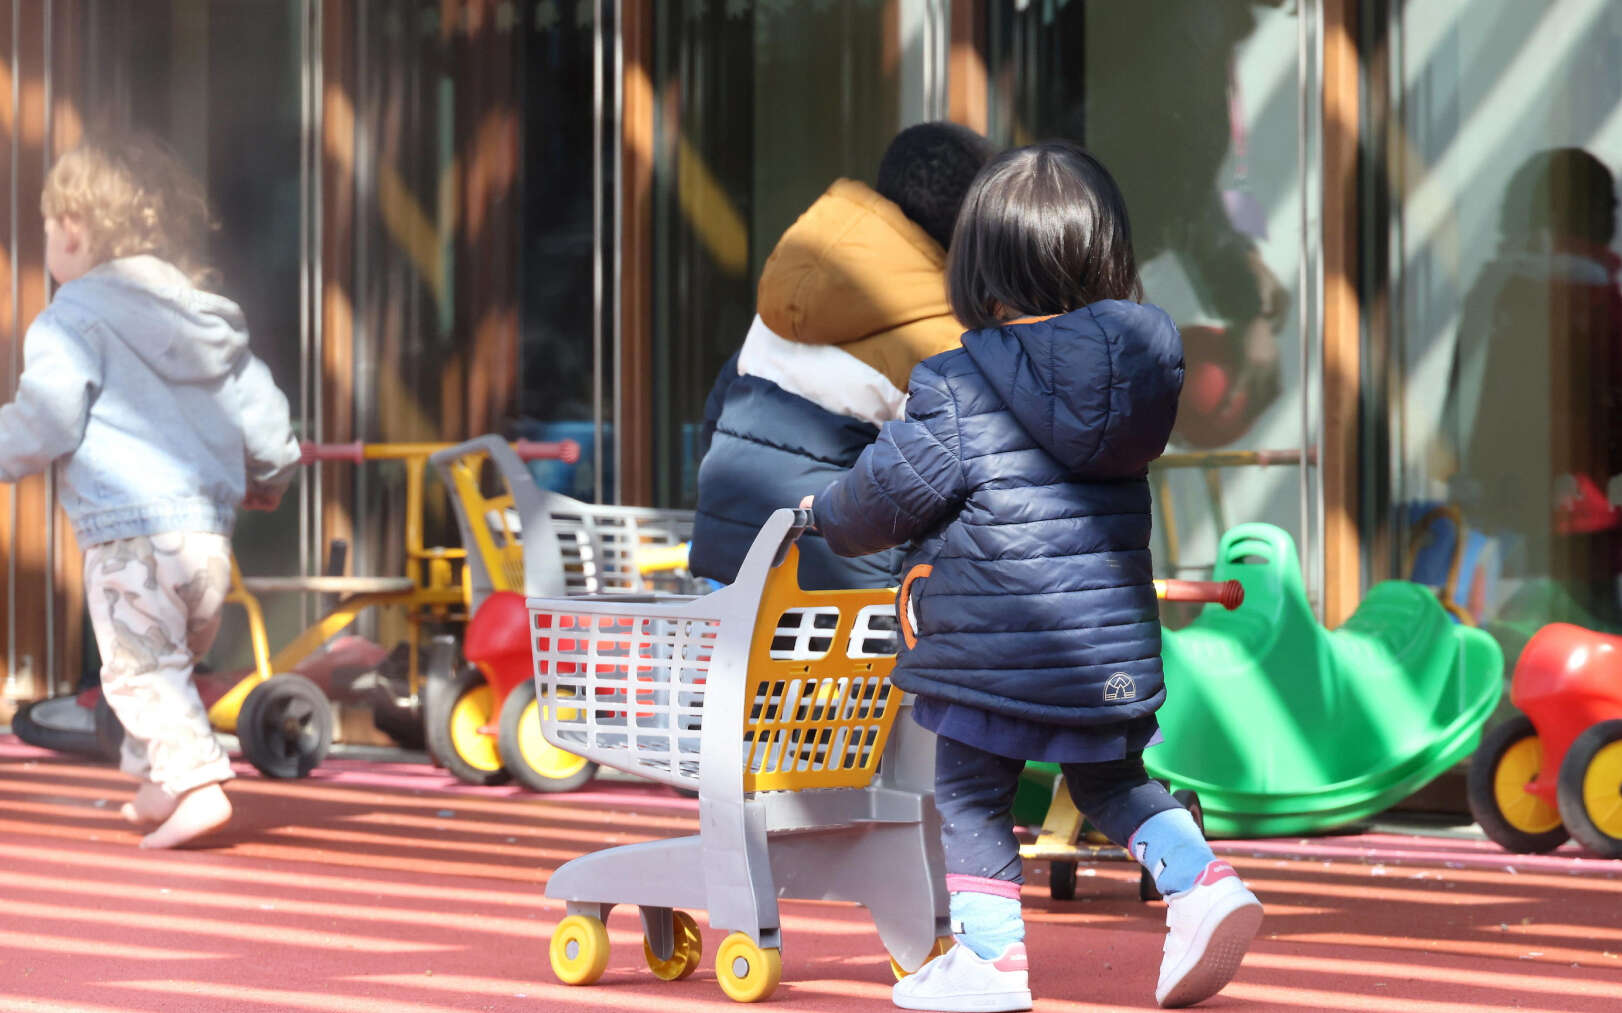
<point>1120,687</point>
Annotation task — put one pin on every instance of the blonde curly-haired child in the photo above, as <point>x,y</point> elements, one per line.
<point>140,382</point>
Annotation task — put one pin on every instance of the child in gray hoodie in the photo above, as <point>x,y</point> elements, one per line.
<point>142,385</point>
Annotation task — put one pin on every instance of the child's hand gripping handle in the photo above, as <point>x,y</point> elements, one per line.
<point>1230,594</point>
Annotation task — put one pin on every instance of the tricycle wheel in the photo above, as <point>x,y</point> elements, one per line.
<point>456,737</point>
<point>1062,880</point>
<point>689,951</point>
<point>1189,799</point>
<point>536,763</point>
<point>1509,758</point>
<point>109,730</point>
<point>1590,789</point>
<point>285,726</point>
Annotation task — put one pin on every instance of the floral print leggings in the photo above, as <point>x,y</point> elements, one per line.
<point>155,605</point>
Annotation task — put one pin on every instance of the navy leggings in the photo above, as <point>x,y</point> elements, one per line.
<point>974,791</point>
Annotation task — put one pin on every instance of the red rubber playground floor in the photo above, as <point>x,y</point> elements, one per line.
<point>385,886</point>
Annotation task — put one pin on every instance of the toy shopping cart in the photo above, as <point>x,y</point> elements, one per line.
<point>776,705</point>
<point>482,719</point>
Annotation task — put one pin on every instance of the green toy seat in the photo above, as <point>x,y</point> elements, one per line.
<point>1284,728</point>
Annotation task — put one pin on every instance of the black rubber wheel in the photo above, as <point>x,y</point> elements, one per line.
<point>109,730</point>
<point>1062,880</point>
<point>531,760</point>
<point>1189,799</point>
<point>1511,817</point>
<point>1146,886</point>
<point>37,730</point>
<point>403,726</point>
<point>1590,789</point>
<point>285,726</point>
<point>453,736</point>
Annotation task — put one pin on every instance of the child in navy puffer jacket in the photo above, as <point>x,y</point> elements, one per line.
<point>1031,628</point>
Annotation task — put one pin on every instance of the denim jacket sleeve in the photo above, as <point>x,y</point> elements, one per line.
<point>61,377</point>
<point>270,450</point>
<point>906,483</point>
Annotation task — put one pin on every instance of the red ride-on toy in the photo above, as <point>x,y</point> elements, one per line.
<point>497,644</point>
<point>1555,770</point>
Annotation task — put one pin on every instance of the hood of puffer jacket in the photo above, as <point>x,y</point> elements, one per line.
<point>186,335</point>
<point>855,272</point>
<point>1097,387</point>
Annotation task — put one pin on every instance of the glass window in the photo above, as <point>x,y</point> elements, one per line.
<point>1197,111</point>
<point>220,83</point>
<point>563,368</point>
<point>761,105</point>
<point>1506,327</point>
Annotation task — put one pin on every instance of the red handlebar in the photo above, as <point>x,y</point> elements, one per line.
<point>1230,594</point>
<point>567,451</point>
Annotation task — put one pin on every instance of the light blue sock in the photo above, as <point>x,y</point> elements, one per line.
<point>1171,847</point>
<point>986,923</point>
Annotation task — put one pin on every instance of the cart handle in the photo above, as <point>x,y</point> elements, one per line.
<point>1230,594</point>
<point>567,451</point>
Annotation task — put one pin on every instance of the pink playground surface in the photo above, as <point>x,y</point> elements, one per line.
<point>386,886</point>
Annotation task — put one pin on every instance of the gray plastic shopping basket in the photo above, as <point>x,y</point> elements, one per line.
<point>775,705</point>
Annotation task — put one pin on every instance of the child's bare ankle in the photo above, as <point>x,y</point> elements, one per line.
<point>198,812</point>
<point>150,806</point>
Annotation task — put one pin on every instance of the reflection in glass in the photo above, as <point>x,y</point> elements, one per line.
<point>760,106</point>
<point>1194,109</point>
<point>1509,140</point>
<point>236,121</point>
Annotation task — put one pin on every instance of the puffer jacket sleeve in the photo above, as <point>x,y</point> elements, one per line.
<point>905,484</point>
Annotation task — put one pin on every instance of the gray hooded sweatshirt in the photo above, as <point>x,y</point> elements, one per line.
<point>144,385</point>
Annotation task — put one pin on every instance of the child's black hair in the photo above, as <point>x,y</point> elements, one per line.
<point>1043,231</point>
<point>928,168</point>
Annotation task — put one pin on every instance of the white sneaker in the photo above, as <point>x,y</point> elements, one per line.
<point>1208,928</point>
<point>960,981</point>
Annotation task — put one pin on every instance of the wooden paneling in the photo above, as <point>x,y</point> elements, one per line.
<point>635,365</point>
<point>1341,334</point>
<point>484,62</point>
<point>966,88</point>
<point>29,548</point>
<point>335,377</point>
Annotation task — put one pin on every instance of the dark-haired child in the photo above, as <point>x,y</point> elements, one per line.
<point>852,297</point>
<point>1032,631</point>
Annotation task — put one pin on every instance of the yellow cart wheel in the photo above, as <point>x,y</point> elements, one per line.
<point>685,958</point>
<point>1590,789</point>
<point>942,944</point>
<point>579,950</point>
<point>747,973</point>
<point>1508,761</point>
<point>534,762</point>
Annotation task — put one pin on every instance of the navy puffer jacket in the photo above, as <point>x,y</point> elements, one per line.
<point>770,449</point>
<point>1020,476</point>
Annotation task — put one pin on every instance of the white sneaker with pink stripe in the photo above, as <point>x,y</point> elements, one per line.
<point>1208,928</point>
<point>961,981</point>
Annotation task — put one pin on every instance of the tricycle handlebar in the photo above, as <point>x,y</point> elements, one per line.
<point>1230,594</point>
<point>567,451</point>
